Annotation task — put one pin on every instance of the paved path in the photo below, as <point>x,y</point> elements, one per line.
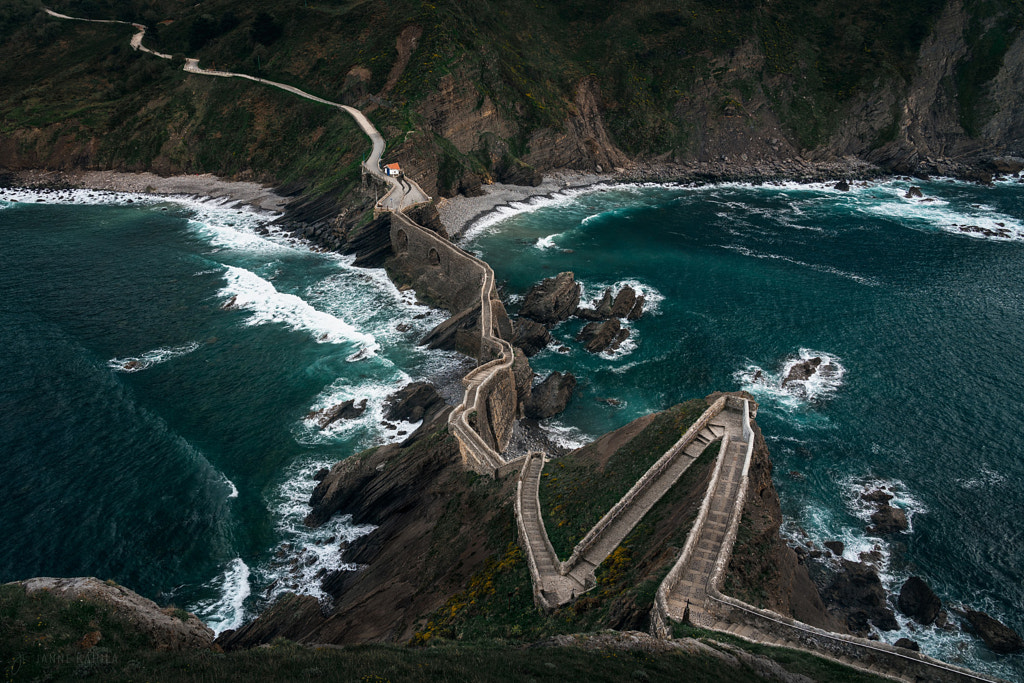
<point>559,582</point>
<point>402,193</point>
<point>691,588</point>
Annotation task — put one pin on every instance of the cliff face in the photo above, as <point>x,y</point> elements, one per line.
<point>764,571</point>
<point>468,93</point>
<point>432,521</point>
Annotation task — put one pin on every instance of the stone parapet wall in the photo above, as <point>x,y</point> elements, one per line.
<point>660,624</point>
<point>595,534</point>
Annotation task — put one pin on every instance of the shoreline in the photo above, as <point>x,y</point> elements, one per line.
<point>207,185</point>
<point>459,213</point>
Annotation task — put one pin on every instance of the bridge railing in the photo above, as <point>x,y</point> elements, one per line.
<point>641,485</point>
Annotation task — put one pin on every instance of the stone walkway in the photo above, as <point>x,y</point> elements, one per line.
<point>559,582</point>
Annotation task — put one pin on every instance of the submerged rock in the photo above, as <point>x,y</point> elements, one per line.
<point>877,496</point>
<point>918,601</point>
<point>999,637</point>
<point>530,336</point>
<point>552,300</point>
<point>598,337</point>
<point>551,396</point>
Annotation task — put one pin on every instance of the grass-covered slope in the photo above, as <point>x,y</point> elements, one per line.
<point>580,488</point>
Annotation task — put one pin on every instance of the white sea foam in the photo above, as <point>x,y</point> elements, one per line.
<point>565,436</point>
<point>306,555</point>
<point>986,478</point>
<point>227,611</point>
<point>978,220</point>
<point>853,488</point>
<point>531,204</point>
<point>546,242</point>
<point>821,386</point>
<point>371,421</point>
<point>244,289</point>
<point>150,358</point>
<point>231,485</point>
<point>871,282</point>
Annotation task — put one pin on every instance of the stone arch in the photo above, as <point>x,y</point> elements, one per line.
<point>401,242</point>
<point>433,257</point>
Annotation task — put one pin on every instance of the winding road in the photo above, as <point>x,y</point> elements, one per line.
<point>403,192</point>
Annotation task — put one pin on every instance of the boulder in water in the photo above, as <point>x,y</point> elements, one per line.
<point>842,186</point>
<point>530,336</point>
<point>552,300</point>
<point>598,337</point>
<point>624,302</point>
<point>999,637</point>
<point>638,309</point>
<point>857,594</point>
<point>551,396</point>
<point>914,192</point>
<point>918,601</point>
<point>602,309</point>
<point>888,519</point>
<point>346,410</point>
<point>837,547</point>
<point>414,402</point>
<point>802,371</point>
<point>908,644</point>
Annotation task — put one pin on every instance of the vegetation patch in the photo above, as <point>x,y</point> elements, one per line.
<point>576,490</point>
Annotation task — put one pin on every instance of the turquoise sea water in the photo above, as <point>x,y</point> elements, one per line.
<point>922,321</point>
<point>150,435</point>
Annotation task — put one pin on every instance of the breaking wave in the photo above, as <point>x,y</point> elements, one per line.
<point>150,358</point>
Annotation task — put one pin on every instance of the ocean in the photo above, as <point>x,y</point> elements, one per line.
<point>160,362</point>
<point>161,359</point>
<point>920,319</point>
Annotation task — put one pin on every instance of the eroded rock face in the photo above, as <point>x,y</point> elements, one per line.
<point>999,637</point>
<point>551,396</point>
<point>857,594</point>
<point>530,336</point>
<point>624,302</point>
<point>918,601</point>
<point>606,336</point>
<point>552,300</point>
<point>165,627</point>
<point>413,402</point>
<point>638,309</point>
<point>888,520</point>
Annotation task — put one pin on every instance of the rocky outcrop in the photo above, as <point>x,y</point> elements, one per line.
<point>530,336</point>
<point>166,628</point>
<point>346,410</point>
<point>888,520</point>
<point>837,547</point>
<point>523,374</point>
<point>414,402</point>
<point>552,300</point>
<point>626,305</point>
<point>857,596</point>
<point>551,396</point>
<point>802,371</point>
<point>606,336</point>
<point>908,644</point>
<point>918,601</point>
<point>999,637</point>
